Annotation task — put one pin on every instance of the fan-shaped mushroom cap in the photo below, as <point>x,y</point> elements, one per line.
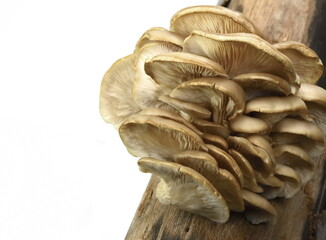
<point>249,179</point>
<point>272,186</point>
<point>272,109</point>
<point>241,53</point>
<point>312,93</point>
<point>249,125</point>
<point>262,142</point>
<point>221,179</point>
<point>151,136</point>
<point>262,84</point>
<point>290,178</point>
<point>213,19</point>
<point>305,61</point>
<point>188,110</point>
<point>116,99</point>
<point>225,161</point>
<point>164,113</point>
<point>259,159</point>
<point>223,96</point>
<point>171,69</point>
<point>145,90</point>
<point>258,209</point>
<point>211,127</point>
<point>158,34</point>
<point>296,158</point>
<point>186,189</point>
<point>215,140</point>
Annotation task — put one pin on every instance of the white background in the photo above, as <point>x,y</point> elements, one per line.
<point>64,173</point>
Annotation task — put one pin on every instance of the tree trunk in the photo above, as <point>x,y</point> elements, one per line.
<point>279,20</point>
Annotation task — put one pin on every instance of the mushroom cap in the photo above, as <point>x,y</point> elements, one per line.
<point>262,84</point>
<point>290,178</point>
<point>223,181</point>
<point>186,189</point>
<point>213,19</point>
<point>259,159</point>
<point>296,158</point>
<point>173,68</point>
<point>145,90</point>
<point>249,179</point>
<point>312,93</point>
<point>116,99</point>
<point>215,140</point>
<point>240,53</point>
<point>225,161</point>
<point>188,110</point>
<point>151,136</point>
<point>158,34</point>
<point>217,94</point>
<point>258,209</point>
<point>249,125</point>
<point>262,142</point>
<point>211,128</point>
<point>305,61</point>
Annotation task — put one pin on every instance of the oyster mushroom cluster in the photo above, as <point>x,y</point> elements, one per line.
<point>226,120</point>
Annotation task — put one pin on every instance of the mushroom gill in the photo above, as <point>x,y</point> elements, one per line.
<point>226,120</point>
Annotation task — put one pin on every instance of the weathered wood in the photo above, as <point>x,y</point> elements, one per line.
<point>279,20</point>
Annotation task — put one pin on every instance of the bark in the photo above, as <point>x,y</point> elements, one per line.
<point>279,20</point>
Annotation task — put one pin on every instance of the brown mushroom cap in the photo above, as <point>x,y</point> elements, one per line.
<point>224,97</point>
<point>258,209</point>
<point>312,93</point>
<point>158,34</point>
<point>259,159</point>
<point>151,136</point>
<point>116,99</point>
<point>305,61</point>
<point>221,179</point>
<point>296,158</point>
<point>262,142</point>
<point>249,125</point>
<point>212,19</point>
<point>241,53</point>
<point>171,69</point>
<point>145,90</point>
<point>290,178</point>
<point>272,186</point>
<point>211,127</point>
<point>215,140</point>
<point>186,189</point>
<point>249,179</point>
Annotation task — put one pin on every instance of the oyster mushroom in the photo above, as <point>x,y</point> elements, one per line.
<point>249,125</point>
<point>211,127</point>
<point>271,185</point>
<point>186,189</point>
<point>152,136</point>
<point>223,181</point>
<point>290,178</point>
<point>210,19</point>
<point>215,140</point>
<point>116,99</point>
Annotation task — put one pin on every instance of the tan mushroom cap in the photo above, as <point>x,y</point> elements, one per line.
<point>262,84</point>
<point>273,108</point>
<point>223,96</point>
<point>145,90</point>
<point>305,61</point>
<point>296,158</point>
<point>116,99</point>
<point>272,186</point>
<point>241,53</point>
<point>186,189</point>
<point>258,209</point>
<point>262,142</point>
<point>164,113</point>
<point>225,161</point>
<point>249,125</point>
<point>188,110</point>
<point>158,34</point>
<point>290,178</point>
<point>211,127</point>
<point>151,136</point>
<point>223,181</point>
<point>213,19</point>
<point>215,140</point>
<point>259,159</point>
<point>312,93</point>
<point>171,69</point>
<point>249,179</point>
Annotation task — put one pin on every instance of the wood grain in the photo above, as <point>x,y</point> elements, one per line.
<point>279,20</point>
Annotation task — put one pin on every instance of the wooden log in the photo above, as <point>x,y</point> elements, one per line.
<point>279,20</point>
